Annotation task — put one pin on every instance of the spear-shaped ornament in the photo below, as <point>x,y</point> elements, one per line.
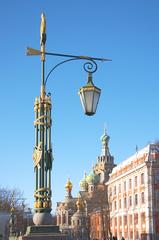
<point>43,30</point>
<point>43,36</point>
<point>42,44</point>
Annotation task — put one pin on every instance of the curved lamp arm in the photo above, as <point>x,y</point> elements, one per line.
<point>90,66</point>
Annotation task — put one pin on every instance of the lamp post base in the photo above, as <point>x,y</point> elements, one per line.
<point>47,232</point>
<point>43,218</point>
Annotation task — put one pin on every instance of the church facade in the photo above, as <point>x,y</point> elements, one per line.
<point>92,194</point>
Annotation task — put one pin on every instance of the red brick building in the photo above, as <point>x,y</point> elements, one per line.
<point>133,196</point>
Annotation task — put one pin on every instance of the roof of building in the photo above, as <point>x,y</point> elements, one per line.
<point>148,153</point>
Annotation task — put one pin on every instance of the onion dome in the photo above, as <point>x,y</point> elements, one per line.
<point>83,183</point>
<point>68,185</point>
<point>105,138</point>
<point>92,178</point>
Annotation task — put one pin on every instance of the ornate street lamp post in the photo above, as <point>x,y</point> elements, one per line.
<point>42,154</point>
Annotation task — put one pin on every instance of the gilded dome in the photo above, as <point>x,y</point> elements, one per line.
<point>68,185</point>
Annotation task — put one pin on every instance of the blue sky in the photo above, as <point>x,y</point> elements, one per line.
<point>125,31</point>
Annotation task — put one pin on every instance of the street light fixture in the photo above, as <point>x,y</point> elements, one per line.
<point>42,154</point>
<point>89,96</point>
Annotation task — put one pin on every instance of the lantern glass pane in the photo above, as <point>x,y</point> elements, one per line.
<point>82,98</point>
<point>95,100</point>
<point>89,101</point>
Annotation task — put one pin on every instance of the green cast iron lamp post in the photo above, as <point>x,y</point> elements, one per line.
<point>42,155</point>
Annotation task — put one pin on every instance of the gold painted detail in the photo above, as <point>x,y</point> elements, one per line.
<point>38,204</point>
<point>46,101</point>
<point>47,106</point>
<point>68,185</point>
<point>46,193</point>
<point>47,204</point>
<point>32,51</point>
<point>43,94</point>
<point>89,88</point>
<point>43,198</point>
<point>43,36</point>
<point>43,25</point>
<point>79,203</point>
<point>38,122</point>
<point>41,204</point>
<point>37,154</point>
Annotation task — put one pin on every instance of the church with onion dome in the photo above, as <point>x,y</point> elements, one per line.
<point>73,213</point>
<point>114,201</point>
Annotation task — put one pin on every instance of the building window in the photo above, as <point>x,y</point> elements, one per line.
<point>142,197</point>
<point>136,220</point>
<point>143,221</point>
<point>115,222</point>
<point>130,201</point>
<point>114,190</point>
<point>125,186</point>
<point>119,203</point>
<point>136,199</point>
<point>130,220</point>
<point>131,233</point>
<point>119,187</point>
<point>135,181</point>
<point>125,202</point>
<point>136,233</point>
<point>157,198</point>
<point>120,223</point>
<point>142,178</point>
<point>110,192</point>
<point>92,222</point>
<point>125,222</point>
<point>69,220</point>
<point>157,176</point>
<point>111,223</point>
<point>110,206</point>
<point>64,219</point>
<point>59,219</point>
<point>130,183</point>
<point>115,207</point>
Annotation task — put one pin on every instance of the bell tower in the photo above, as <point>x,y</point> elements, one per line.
<point>105,162</point>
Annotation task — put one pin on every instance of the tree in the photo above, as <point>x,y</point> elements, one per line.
<point>13,202</point>
<point>9,198</point>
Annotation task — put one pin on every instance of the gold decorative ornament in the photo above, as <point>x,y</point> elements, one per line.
<point>68,185</point>
<point>43,25</point>
<point>46,204</point>
<point>37,154</point>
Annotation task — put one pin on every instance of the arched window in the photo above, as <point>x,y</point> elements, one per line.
<point>142,178</point>
<point>135,181</point>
